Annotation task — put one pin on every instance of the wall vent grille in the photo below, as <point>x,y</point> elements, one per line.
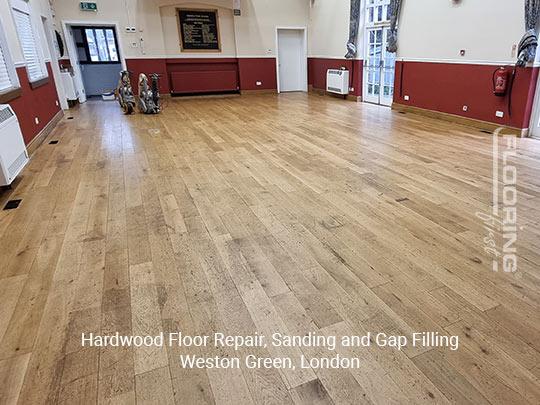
<point>17,164</point>
<point>5,114</point>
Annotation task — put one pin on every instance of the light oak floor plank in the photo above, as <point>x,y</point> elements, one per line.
<point>259,214</point>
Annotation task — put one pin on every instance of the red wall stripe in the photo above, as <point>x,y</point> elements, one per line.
<point>447,87</point>
<point>253,70</point>
<point>207,74</point>
<point>194,75</point>
<point>147,66</point>
<point>40,102</point>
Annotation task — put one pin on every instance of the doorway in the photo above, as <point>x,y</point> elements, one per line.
<point>380,65</point>
<point>99,60</point>
<point>291,60</point>
<point>95,55</point>
<point>54,55</point>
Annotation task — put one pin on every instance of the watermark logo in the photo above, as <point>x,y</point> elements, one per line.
<point>501,224</point>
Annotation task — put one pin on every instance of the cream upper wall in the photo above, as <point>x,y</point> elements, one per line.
<point>429,29</point>
<point>251,34</point>
<point>256,28</point>
<point>438,30</point>
<point>328,28</point>
<point>110,11</point>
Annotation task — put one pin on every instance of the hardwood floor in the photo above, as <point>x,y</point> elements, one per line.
<point>265,213</point>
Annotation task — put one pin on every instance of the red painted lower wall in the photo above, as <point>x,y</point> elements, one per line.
<point>202,75</point>
<point>447,87</point>
<point>192,75</point>
<point>253,70</point>
<point>147,66</point>
<point>41,102</point>
<point>317,68</point>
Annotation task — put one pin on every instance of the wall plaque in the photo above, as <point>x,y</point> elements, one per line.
<point>199,30</point>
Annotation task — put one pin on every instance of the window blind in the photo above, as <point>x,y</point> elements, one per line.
<point>5,78</point>
<point>29,45</point>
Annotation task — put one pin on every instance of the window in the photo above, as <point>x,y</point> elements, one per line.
<point>8,75</point>
<point>99,44</point>
<point>30,42</point>
<point>377,12</point>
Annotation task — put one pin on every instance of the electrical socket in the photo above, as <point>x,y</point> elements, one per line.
<point>465,108</point>
<point>406,98</point>
<point>258,83</point>
<point>36,119</point>
<point>499,114</point>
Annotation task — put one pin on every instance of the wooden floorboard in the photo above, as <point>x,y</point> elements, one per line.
<point>259,214</point>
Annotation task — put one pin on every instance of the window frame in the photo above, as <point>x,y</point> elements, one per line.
<point>14,91</point>
<point>89,60</point>
<point>23,6</point>
<point>374,5</point>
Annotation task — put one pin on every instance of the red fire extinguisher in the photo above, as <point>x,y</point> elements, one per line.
<point>503,82</point>
<point>500,81</point>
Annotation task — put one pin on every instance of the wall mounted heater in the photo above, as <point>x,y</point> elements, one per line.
<point>337,81</point>
<point>13,154</point>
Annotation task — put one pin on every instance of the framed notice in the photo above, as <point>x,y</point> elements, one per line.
<point>199,30</point>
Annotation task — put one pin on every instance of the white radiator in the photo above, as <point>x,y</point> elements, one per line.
<point>13,154</point>
<point>337,81</point>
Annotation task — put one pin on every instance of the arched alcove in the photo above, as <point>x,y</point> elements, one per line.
<point>171,35</point>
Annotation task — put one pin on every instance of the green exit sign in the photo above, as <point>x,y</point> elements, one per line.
<point>88,6</point>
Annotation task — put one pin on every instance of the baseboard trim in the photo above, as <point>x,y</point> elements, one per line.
<point>44,133</point>
<point>262,91</point>
<point>203,96</point>
<point>457,119</point>
<point>321,92</point>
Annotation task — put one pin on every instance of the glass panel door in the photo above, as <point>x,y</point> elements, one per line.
<point>388,71</point>
<point>372,68</point>
<point>379,66</point>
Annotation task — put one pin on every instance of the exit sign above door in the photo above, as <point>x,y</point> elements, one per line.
<point>88,6</point>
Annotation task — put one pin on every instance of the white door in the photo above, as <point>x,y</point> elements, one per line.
<point>379,68</point>
<point>292,60</point>
<point>77,74</point>
<point>54,54</point>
